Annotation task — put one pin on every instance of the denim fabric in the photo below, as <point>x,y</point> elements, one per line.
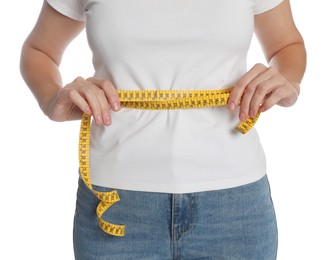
<point>233,224</point>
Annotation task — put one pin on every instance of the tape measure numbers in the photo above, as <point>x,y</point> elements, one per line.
<point>148,100</point>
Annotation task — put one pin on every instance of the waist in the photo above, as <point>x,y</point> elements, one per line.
<point>180,99</point>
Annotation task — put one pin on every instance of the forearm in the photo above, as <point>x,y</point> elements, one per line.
<point>42,52</point>
<point>41,75</point>
<point>291,63</point>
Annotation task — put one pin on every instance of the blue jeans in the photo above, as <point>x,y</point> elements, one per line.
<point>233,224</point>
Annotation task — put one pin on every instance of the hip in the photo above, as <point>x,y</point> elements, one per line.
<point>235,223</point>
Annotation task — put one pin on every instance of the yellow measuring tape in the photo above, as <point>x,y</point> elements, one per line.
<point>151,100</point>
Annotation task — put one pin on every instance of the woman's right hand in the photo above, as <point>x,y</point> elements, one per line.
<point>90,96</point>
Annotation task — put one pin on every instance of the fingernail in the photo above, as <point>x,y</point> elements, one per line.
<point>88,111</point>
<point>99,119</point>
<point>251,114</point>
<point>107,120</point>
<point>242,117</point>
<point>231,106</point>
<point>116,106</point>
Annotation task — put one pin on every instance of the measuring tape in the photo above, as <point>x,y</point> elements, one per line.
<point>149,100</point>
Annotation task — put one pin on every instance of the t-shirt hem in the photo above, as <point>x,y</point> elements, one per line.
<point>178,188</point>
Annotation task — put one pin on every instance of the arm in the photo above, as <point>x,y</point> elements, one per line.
<point>40,60</point>
<point>284,50</point>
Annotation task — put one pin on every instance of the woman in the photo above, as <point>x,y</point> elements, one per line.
<point>190,187</point>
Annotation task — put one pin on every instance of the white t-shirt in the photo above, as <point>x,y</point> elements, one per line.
<point>174,44</point>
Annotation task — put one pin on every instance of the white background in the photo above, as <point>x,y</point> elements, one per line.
<point>39,157</point>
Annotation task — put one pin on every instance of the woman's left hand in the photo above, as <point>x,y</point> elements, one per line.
<point>260,89</point>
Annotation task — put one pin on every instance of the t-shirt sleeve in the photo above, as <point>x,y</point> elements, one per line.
<point>70,8</point>
<point>262,6</point>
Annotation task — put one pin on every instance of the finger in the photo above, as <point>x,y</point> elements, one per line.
<point>257,90</point>
<point>104,107</point>
<point>235,97</point>
<point>244,105</point>
<point>91,96</point>
<point>79,101</point>
<point>110,92</point>
<point>263,86</point>
<point>112,95</point>
<point>276,96</point>
<point>262,106</point>
<point>259,76</point>
<point>103,98</point>
<point>238,91</point>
